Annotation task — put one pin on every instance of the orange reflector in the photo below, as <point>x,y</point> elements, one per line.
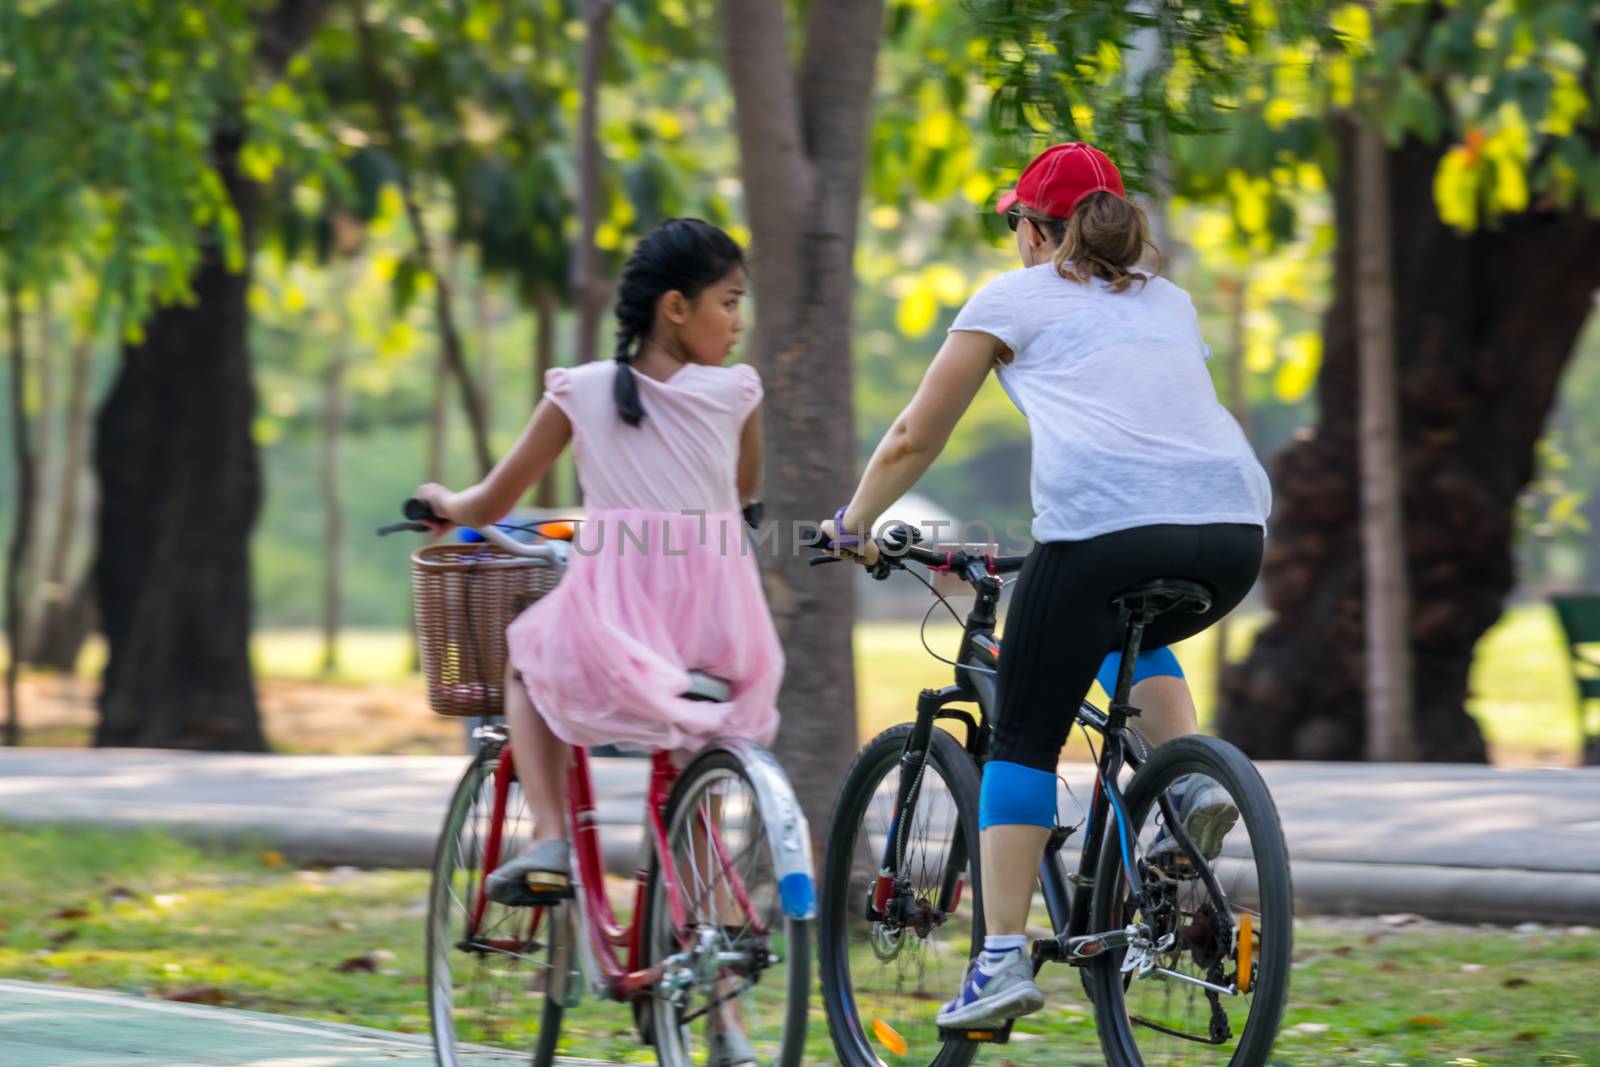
<point>890,1037</point>
<point>555,531</point>
<point>1246,946</point>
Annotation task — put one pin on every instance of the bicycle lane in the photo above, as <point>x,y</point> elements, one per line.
<point>55,1026</point>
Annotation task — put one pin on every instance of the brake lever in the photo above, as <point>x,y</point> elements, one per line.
<point>817,561</point>
<point>403,527</point>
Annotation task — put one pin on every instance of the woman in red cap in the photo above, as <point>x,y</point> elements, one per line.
<point>1138,473</point>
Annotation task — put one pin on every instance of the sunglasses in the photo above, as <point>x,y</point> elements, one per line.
<point>1014,218</point>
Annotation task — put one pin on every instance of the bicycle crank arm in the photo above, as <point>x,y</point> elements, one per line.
<point>1086,947</point>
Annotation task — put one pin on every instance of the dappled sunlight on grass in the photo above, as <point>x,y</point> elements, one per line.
<point>1521,688</point>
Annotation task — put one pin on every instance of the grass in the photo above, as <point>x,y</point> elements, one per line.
<point>1520,691</point>
<point>1521,687</point>
<point>145,914</point>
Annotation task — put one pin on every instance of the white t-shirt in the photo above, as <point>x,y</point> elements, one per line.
<point>1127,430</point>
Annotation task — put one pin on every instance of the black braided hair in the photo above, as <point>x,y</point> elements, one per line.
<point>683,254</point>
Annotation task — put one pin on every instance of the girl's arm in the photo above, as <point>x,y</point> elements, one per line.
<point>752,450</point>
<point>530,459</point>
<point>920,432</point>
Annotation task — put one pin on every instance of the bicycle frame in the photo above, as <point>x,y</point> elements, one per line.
<point>976,668</point>
<point>615,952</point>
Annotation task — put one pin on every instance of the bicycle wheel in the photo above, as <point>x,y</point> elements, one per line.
<point>885,971</point>
<point>488,965</point>
<point>1229,923</point>
<point>733,941</point>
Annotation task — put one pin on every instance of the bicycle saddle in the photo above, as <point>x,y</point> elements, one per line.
<point>708,687</point>
<point>1162,595</point>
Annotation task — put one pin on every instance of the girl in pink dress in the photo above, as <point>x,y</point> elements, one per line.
<point>668,447</point>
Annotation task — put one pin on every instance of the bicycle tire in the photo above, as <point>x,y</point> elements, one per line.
<point>872,765</point>
<point>791,1016</point>
<point>455,864</point>
<point>1274,895</point>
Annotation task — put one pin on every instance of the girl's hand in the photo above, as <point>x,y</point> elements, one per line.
<point>438,497</point>
<point>866,554</point>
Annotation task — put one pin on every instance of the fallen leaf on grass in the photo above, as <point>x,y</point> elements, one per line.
<point>1515,983</point>
<point>1423,1022</point>
<point>357,963</point>
<point>272,858</point>
<point>1342,950</point>
<point>1525,1035</point>
<point>69,913</point>
<point>1388,966</point>
<point>199,995</point>
<point>120,893</point>
<point>64,937</point>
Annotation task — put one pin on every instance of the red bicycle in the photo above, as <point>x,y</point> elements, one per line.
<point>723,899</point>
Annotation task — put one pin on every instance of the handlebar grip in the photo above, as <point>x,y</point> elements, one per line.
<point>419,510</point>
<point>403,527</point>
<point>816,540</point>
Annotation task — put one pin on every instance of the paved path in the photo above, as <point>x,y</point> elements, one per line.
<point>1454,842</point>
<point>52,1026</point>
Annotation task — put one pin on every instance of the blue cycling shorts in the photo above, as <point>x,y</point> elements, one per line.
<point>1160,663</point>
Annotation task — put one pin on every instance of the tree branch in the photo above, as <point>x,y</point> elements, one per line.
<point>383,91</point>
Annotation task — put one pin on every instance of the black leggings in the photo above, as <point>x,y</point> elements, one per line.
<point>1061,622</point>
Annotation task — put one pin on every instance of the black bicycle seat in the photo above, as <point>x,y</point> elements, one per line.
<point>1162,595</point>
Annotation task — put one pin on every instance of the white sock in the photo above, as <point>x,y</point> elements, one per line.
<point>997,949</point>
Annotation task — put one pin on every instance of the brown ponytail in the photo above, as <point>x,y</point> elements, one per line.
<point>1104,238</point>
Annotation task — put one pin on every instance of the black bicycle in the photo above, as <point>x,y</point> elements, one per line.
<point>1184,958</point>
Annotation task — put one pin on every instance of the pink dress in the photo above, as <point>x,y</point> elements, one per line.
<point>662,579</point>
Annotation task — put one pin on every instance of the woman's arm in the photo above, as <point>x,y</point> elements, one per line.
<point>530,459</point>
<point>752,451</point>
<point>920,432</point>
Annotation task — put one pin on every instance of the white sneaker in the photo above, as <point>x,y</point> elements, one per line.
<point>993,999</point>
<point>1207,813</point>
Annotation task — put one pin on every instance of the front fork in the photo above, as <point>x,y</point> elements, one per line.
<point>889,900</point>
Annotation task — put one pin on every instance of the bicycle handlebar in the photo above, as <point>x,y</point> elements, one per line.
<point>419,513</point>
<point>896,546</point>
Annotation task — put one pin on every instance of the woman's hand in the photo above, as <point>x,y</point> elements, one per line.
<point>865,554</point>
<point>438,498</point>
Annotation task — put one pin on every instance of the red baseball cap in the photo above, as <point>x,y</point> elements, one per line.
<point>1062,175</point>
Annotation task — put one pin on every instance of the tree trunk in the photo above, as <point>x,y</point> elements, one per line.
<point>22,525</point>
<point>384,92</point>
<point>439,419</point>
<point>802,143</point>
<point>180,487</point>
<point>1389,734</point>
<point>332,503</point>
<point>588,282</point>
<point>483,330</point>
<point>45,457</point>
<point>1485,326</point>
<point>63,623</point>
<point>544,357</point>
<point>1239,407</point>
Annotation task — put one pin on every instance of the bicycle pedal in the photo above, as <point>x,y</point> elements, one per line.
<point>548,890</point>
<point>985,1035</point>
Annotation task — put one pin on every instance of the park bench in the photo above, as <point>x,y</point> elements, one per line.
<point>1580,622</point>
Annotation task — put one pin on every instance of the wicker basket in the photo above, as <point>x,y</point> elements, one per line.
<point>465,595</point>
